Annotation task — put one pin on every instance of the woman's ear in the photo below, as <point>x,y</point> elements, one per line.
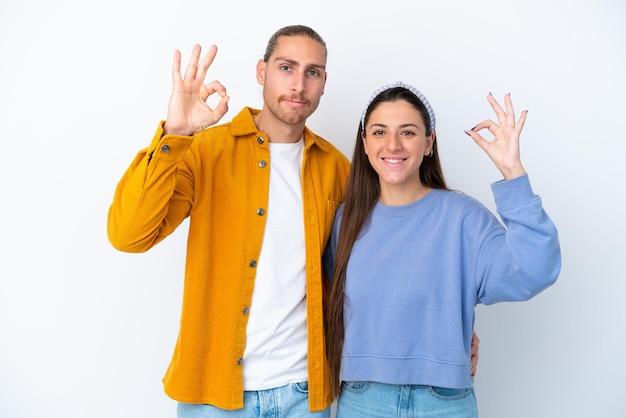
<point>431,141</point>
<point>364,139</point>
<point>430,145</point>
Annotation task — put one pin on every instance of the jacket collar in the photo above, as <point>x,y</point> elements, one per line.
<point>243,125</point>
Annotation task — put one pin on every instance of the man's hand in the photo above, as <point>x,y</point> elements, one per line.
<point>474,353</point>
<point>188,111</point>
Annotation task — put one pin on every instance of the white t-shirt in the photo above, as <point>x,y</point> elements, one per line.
<point>276,345</point>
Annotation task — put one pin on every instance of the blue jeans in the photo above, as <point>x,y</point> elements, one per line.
<point>371,399</point>
<point>290,401</point>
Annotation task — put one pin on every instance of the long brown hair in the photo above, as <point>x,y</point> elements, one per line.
<point>362,193</point>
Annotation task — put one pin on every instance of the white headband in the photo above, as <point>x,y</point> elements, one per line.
<point>431,113</point>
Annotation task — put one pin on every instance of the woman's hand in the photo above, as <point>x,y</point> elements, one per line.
<point>504,148</point>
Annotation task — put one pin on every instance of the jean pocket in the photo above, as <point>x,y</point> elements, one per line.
<point>355,386</point>
<point>302,387</point>
<point>448,394</point>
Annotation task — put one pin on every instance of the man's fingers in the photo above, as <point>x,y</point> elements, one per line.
<point>217,87</point>
<point>210,88</point>
<point>196,70</point>
<point>206,63</point>
<point>176,67</point>
<point>190,72</point>
<point>221,108</point>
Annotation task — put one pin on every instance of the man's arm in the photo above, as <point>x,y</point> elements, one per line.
<point>156,192</point>
<point>474,352</point>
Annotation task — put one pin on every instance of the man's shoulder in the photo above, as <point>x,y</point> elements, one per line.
<point>323,144</point>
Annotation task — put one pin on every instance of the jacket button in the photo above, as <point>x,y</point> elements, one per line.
<point>262,164</point>
<point>252,263</point>
<point>260,211</point>
<point>245,311</point>
<point>260,140</point>
<point>240,361</point>
<point>165,148</point>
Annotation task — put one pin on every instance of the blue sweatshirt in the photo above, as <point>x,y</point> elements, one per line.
<point>417,272</point>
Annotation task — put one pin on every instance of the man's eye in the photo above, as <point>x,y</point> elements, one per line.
<point>314,73</point>
<point>285,67</point>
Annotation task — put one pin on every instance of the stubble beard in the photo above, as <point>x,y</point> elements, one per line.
<point>290,117</point>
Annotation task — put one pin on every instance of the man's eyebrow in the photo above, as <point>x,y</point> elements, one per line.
<point>297,64</point>
<point>320,66</point>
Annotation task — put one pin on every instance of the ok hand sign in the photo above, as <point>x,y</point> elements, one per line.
<point>504,148</point>
<point>188,111</point>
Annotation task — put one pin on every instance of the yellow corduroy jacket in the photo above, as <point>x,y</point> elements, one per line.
<point>220,179</point>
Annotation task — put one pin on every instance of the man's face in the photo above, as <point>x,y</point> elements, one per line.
<point>293,78</point>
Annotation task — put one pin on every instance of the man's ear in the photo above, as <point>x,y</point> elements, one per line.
<point>260,72</point>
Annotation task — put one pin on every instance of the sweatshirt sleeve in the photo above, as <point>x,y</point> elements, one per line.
<point>154,195</point>
<point>525,258</point>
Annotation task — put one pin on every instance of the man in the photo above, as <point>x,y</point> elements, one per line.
<point>261,193</point>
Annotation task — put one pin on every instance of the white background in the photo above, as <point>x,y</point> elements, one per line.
<point>86,331</point>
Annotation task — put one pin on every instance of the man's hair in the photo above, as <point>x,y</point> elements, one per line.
<point>293,30</point>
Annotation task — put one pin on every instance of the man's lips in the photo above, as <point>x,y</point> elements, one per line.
<point>295,101</point>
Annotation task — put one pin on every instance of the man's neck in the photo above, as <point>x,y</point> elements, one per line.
<point>276,130</point>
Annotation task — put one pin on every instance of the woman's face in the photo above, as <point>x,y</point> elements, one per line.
<point>395,142</point>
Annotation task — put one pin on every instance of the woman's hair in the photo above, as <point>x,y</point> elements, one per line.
<point>362,193</point>
<point>293,30</point>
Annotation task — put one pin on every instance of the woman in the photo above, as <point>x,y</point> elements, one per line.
<point>410,259</point>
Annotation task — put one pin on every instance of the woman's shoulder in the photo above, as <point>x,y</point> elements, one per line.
<point>457,206</point>
<point>457,199</point>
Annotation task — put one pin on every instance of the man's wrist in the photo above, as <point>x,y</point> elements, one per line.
<point>178,132</point>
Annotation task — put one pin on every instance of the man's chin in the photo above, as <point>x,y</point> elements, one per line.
<point>294,118</point>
